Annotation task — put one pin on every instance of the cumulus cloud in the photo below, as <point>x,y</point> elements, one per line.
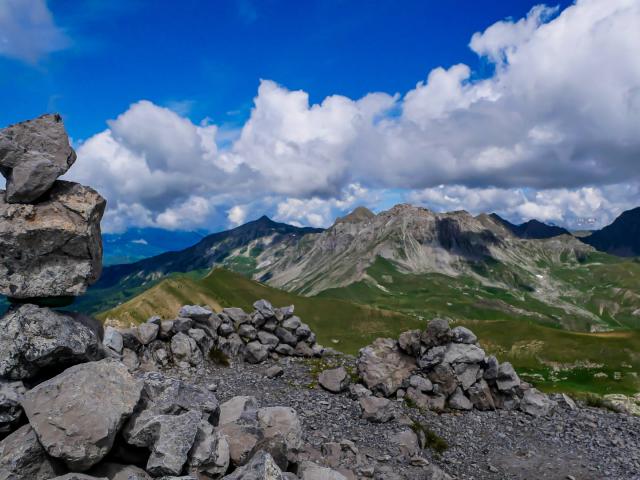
<point>28,31</point>
<point>553,133</point>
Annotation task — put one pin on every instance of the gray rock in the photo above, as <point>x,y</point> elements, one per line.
<point>459,401</point>
<point>410,342</point>
<point>303,331</point>
<point>507,378</point>
<point>182,325</point>
<point>10,409</point>
<point>23,458</point>
<point>286,336</point>
<point>59,243</point>
<point>463,335</point>
<point>268,339</point>
<point>237,316</point>
<point>436,333</point>
<point>113,340</point>
<point>420,383</point>
<point>226,329</point>
<point>115,471</point>
<point>311,471</point>
<point>34,338</point>
<point>383,367</point>
<point>204,341</point>
<point>292,323</point>
<point>166,329</point>
<point>243,437</point>
<point>265,308</point>
<point>169,437</point>
<point>430,401</point>
<point>444,376</point>
<point>480,395</point>
<point>463,353</point>
<point>357,390</point>
<point>284,349</point>
<point>407,442</point>
<point>237,407</point>
<point>77,414</point>
<point>335,380</point>
<point>33,154</point>
<point>304,350</point>
<point>247,331</point>
<point>147,333</point>
<point>467,373</point>
<point>195,312</point>
<point>261,467</point>
<point>232,346</point>
<point>490,368</point>
<point>172,396</point>
<point>282,424</point>
<point>130,359</point>
<point>255,352</point>
<point>130,339</point>
<point>274,371</point>
<point>536,403</point>
<point>257,320</point>
<point>432,357</point>
<point>270,326</point>
<point>185,349</point>
<point>376,409</point>
<point>209,456</point>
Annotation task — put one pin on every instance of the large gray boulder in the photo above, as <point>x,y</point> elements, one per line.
<point>33,338</point>
<point>23,458</point>
<point>115,471</point>
<point>335,380</point>
<point>383,367</point>
<point>536,403</point>
<point>77,414</point>
<point>33,154</point>
<point>311,471</point>
<point>58,241</point>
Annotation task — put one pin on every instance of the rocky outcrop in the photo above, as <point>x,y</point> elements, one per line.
<point>33,339</point>
<point>23,458</point>
<point>33,154</point>
<point>59,243</point>
<point>442,368</point>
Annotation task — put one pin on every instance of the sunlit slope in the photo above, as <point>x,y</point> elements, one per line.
<point>351,325</point>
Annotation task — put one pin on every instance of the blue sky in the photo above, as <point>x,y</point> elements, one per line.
<point>204,62</point>
<point>206,57</point>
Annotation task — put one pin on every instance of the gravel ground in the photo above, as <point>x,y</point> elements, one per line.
<point>581,444</point>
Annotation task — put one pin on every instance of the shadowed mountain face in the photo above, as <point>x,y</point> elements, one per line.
<point>533,229</point>
<point>621,238</point>
<point>211,250</point>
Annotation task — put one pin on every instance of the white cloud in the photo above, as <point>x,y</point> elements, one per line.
<point>28,31</point>
<point>237,215</point>
<point>554,132</point>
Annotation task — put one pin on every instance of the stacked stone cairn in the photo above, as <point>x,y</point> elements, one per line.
<point>72,406</point>
<point>198,335</point>
<point>443,368</point>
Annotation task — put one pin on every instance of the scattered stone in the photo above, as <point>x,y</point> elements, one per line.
<point>311,471</point>
<point>147,333</point>
<point>459,401</point>
<point>23,458</point>
<point>376,409</point>
<point>255,352</point>
<point>507,377</point>
<point>535,403</point>
<point>209,456</point>
<point>335,380</point>
<point>10,409</point>
<point>274,371</point>
<point>113,340</point>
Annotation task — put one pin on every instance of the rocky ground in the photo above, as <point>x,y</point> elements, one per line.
<point>582,443</point>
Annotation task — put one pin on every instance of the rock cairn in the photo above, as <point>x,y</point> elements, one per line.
<point>50,243</point>
<point>443,368</point>
<point>198,334</point>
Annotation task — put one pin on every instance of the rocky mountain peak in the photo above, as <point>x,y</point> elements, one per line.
<point>359,214</point>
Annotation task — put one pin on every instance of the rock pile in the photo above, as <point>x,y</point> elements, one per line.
<point>50,243</point>
<point>198,334</point>
<point>441,368</point>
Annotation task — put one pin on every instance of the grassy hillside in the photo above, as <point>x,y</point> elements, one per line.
<point>340,324</point>
<point>539,339</point>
